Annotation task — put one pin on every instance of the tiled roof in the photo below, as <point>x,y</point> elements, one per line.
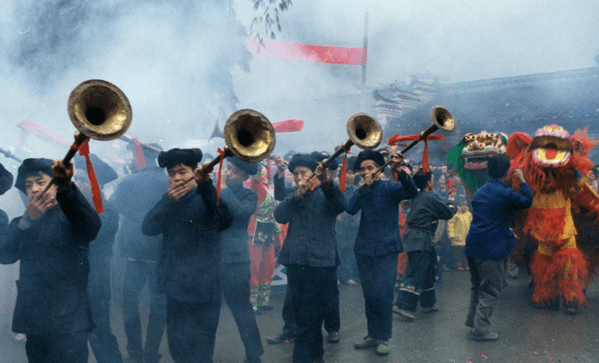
<point>525,103</point>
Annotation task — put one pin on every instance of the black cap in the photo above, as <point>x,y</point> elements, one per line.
<point>173,157</point>
<point>6,180</point>
<point>31,167</point>
<point>369,155</point>
<point>246,167</point>
<point>302,160</point>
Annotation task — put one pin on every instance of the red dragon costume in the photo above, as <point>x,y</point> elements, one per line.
<point>555,165</point>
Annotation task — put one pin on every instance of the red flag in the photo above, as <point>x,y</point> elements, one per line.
<point>41,131</point>
<point>307,52</point>
<point>292,125</point>
<point>140,159</point>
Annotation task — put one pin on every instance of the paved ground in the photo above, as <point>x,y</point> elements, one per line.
<point>526,334</point>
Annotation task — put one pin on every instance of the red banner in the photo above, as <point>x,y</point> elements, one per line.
<point>306,52</point>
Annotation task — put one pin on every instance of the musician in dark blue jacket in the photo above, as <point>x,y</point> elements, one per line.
<point>310,251</point>
<point>190,220</point>
<point>378,243</point>
<point>51,241</point>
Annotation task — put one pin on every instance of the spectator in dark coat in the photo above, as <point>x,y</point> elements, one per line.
<point>189,219</point>
<point>51,241</point>
<point>133,198</point>
<point>490,241</point>
<point>310,251</point>
<point>419,285</point>
<point>102,341</point>
<point>235,273</point>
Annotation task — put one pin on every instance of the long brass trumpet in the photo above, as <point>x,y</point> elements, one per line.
<point>99,110</point>
<point>442,120</point>
<point>363,130</point>
<point>249,135</point>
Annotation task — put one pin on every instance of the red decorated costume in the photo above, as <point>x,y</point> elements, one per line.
<point>555,166</point>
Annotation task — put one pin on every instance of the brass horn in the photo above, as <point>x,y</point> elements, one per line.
<point>363,130</point>
<point>248,135</point>
<point>442,120</point>
<point>99,110</point>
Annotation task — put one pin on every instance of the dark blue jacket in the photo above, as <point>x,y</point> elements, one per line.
<point>379,223</point>
<point>188,268</point>
<point>235,240</point>
<point>133,198</point>
<point>310,238</point>
<point>53,253</point>
<point>493,212</point>
<point>426,209</point>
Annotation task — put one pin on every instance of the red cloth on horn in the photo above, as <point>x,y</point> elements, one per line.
<point>96,194</point>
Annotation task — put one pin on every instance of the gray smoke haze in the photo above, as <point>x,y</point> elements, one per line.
<point>183,65</point>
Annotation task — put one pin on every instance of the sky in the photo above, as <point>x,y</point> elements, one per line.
<point>183,67</point>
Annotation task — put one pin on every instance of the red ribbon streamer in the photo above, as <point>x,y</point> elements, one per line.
<point>140,159</point>
<point>220,168</point>
<point>96,195</point>
<point>425,167</point>
<point>343,173</point>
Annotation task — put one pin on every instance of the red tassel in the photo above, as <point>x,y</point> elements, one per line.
<point>220,168</point>
<point>343,174</point>
<point>96,195</point>
<point>425,167</point>
<point>140,159</point>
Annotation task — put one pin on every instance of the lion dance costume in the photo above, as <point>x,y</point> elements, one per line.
<point>555,165</point>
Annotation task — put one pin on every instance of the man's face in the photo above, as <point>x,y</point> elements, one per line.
<point>179,174</point>
<point>35,185</point>
<point>233,175</point>
<point>367,168</point>
<point>301,173</point>
<point>350,176</point>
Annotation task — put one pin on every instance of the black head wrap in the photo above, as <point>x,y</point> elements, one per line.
<point>369,155</point>
<point>302,160</point>
<point>173,157</point>
<point>32,167</point>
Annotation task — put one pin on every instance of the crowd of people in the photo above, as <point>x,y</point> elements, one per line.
<point>194,235</point>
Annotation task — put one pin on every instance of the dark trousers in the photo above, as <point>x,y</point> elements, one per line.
<point>488,279</point>
<point>139,273</point>
<point>312,288</point>
<point>332,320</point>
<point>377,275</point>
<point>236,286</point>
<point>66,348</point>
<point>103,343</point>
<point>347,270</point>
<point>191,330</point>
<point>419,284</point>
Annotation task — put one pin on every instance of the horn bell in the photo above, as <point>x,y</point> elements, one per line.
<point>249,135</point>
<point>364,131</point>
<point>443,118</point>
<point>99,110</point>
